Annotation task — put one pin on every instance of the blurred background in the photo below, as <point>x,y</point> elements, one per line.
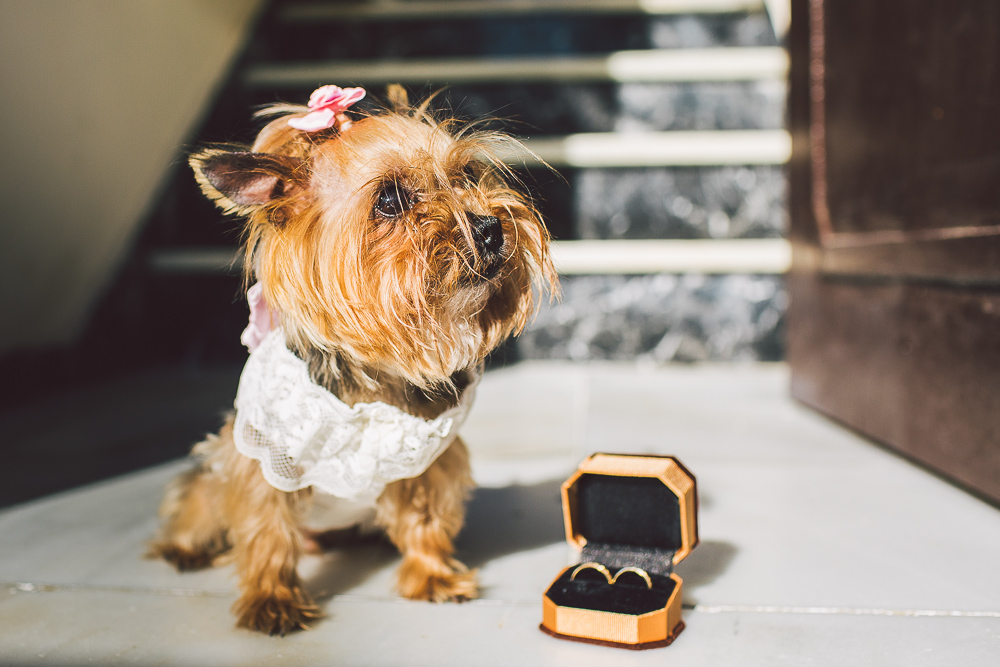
<point>121,306</point>
<point>682,132</point>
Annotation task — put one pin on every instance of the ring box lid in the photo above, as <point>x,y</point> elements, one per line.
<point>627,510</point>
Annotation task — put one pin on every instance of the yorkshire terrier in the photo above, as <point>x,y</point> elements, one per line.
<point>390,256</point>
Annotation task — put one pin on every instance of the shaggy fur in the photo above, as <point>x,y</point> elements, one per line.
<point>398,258</point>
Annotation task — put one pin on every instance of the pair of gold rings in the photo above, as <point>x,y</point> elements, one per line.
<point>607,574</point>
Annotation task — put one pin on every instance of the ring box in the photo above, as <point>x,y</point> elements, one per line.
<point>624,511</point>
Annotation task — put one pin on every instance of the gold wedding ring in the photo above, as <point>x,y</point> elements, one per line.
<point>634,570</point>
<point>594,566</point>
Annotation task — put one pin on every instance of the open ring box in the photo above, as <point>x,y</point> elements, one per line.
<point>624,511</point>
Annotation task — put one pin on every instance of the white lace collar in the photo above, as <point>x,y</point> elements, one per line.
<point>303,435</point>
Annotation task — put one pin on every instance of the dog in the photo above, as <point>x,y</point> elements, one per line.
<point>391,256</point>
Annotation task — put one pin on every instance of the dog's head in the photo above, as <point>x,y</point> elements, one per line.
<point>394,239</point>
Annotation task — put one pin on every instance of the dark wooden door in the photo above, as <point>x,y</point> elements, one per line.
<point>894,326</point>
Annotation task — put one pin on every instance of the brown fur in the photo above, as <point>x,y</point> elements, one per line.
<point>391,307</point>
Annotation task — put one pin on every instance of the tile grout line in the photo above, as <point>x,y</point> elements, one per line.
<point>839,611</point>
<point>28,587</point>
<point>25,587</point>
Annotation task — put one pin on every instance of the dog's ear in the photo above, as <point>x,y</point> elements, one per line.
<point>243,182</point>
<point>398,99</point>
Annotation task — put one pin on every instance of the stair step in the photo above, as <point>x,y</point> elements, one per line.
<point>450,9</point>
<point>612,203</point>
<point>758,256</point>
<point>553,109</point>
<point>714,64</point>
<point>568,36</point>
<point>195,261</point>
<point>657,149</point>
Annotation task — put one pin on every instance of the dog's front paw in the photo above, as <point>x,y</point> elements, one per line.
<point>183,559</point>
<point>277,614</point>
<point>437,581</point>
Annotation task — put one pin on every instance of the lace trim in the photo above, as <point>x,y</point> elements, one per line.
<point>304,436</point>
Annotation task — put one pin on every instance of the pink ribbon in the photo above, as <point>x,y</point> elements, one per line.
<point>325,103</point>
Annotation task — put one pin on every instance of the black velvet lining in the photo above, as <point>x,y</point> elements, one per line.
<point>629,595</point>
<point>636,511</point>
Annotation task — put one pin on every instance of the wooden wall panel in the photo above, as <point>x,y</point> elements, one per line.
<point>894,326</point>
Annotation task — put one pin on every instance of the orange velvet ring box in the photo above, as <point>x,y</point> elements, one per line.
<point>622,511</point>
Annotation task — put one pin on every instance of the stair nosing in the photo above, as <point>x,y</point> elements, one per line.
<point>430,9</point>
<point>757,63</point>
<point>581,257</point>
<point>699,148</point>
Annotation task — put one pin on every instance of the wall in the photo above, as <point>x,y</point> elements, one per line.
<point>96,98</point>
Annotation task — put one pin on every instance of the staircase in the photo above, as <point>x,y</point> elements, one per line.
<point>662,118</point>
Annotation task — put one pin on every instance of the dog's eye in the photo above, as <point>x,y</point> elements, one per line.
<point>392,200</point>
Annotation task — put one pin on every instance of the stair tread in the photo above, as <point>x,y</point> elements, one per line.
<point>438,9</point>
<point>758,256</point>
<point>638,149</point>
<point>652,65</point>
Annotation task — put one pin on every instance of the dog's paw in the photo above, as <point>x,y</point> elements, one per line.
<point>277,614</point>
<point>183,559</point>
<point>437,584</point>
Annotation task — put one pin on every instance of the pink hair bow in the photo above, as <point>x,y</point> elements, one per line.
<point>325,104</point>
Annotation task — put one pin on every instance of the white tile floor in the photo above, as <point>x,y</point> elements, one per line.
<point>817,547</point>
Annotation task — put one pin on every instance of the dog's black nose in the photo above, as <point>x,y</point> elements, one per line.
<point>488,234</point>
